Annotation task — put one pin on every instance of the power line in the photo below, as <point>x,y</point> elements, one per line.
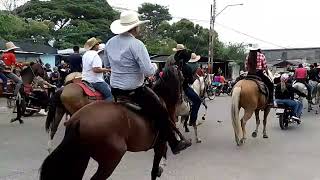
<point>224,26</point>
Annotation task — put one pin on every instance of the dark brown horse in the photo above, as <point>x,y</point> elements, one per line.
<point>105,132</point>
<point>27,76</point>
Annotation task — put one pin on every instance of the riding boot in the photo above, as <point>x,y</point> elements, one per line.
<point>175,145</point>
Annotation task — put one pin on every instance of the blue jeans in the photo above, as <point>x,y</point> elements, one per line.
<point>196,102</point>
<point>296,106</point>
<point>104,89</point>
<point>17,81</point>
<point>4,81</point>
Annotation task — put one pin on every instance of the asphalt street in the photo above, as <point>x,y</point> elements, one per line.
<point>292,154</point>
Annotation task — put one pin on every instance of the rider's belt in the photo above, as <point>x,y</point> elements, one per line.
<point>121,92</point>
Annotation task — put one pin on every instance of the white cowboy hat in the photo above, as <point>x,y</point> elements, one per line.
<point>128,20</point>
<point>253,47</point>
<point>194,58</point>
<point>91,43</point>
<point>10,46</point>
<point>179,47</point>
<point>101,47</point>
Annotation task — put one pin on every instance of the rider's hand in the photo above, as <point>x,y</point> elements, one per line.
<point>152,78</point>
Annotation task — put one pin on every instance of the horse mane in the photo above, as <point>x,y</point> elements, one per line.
<point>252,62</point>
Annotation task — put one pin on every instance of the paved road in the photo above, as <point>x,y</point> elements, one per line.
<point>287,155</point>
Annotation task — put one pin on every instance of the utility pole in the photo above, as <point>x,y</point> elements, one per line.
<point>211,36</point>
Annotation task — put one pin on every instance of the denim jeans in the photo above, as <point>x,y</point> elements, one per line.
<point>196,102</point>
<point>104,89</point>
<point>4,81</point>
<point>16,80</point>
<point>296,106</point>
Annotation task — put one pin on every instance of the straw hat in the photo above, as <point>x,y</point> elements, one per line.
<point>179,47</point>
<point>10,46</point>
<point>128,20</point>
<point>91,43</point>
<point>194,58</point>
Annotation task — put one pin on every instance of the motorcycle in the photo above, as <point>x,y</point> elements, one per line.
<point>284,114</point>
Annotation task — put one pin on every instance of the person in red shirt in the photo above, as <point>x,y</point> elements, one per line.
<point>9,58</point>
<point>301,75</point>
<point>256,64</point>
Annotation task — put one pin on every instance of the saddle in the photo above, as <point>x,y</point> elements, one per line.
<point>261,85</point>
<point>89,90</point>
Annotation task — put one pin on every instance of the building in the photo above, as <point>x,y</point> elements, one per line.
<point>310,55</point>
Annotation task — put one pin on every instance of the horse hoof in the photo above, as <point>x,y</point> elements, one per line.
<point>254,134</point>
<point>265,136</point>
<point>242,141</point>
<point>187,130</point>
<point>160,171</point>
<point>21,122</point>
<point>203,118</point>
<point>198,141</point>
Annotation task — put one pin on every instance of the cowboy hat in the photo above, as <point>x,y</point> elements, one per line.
<point>91,43</point>
<point>101,47</point>
<point>128,20</point>
<point>194,58</point>
<point>179,47</point>
<point>10,46</point>
<point>277,75</point>
<point>254,47</point>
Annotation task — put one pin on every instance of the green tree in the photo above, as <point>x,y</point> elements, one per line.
<point>75,20</point>
<point>14,28</point>
<point>156,14</point>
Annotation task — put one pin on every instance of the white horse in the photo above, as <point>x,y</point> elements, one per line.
<point>199,86</point>
<point>303,90</point>
<point>315,93</point>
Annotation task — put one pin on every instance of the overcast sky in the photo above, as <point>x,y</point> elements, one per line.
<point>282,23</point>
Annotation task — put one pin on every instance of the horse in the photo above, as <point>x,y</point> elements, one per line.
<point>300,87</point>
<point>27,76</point>
<point>246,95</point>
<point>105,131</point>
<point>315,93</point>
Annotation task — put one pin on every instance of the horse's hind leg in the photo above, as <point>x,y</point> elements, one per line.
<point>265,116</point>
<point>159,151</point>
<point>247,115</point>
<point>195,127</point>
<point>255,133</point>
<point>185,120</point>
<point>108,157</point>
<point>206,108</point>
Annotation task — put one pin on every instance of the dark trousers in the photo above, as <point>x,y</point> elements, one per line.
<point>196,103</point>
<point>303,81</point>
<point>268,83</point>
<point>4,81</point>
<point>151,108</point>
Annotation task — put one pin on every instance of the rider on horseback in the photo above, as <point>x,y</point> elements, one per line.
<point>182,56</point>
<point>9,58</point>
<point>301,76</point>
<point>92,71</point>
<point>256,64</point>
<point>130,63</point>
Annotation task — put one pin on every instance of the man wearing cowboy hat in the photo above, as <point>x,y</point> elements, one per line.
<point>130,63</point>
<point>190,76</point>
<point>92,70</point>
<point>9,58</point>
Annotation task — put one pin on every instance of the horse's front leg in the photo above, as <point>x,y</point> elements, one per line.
<point>198,140</point>
<point>266,112</point>
<point>159,151</point>
<point>255,133</point>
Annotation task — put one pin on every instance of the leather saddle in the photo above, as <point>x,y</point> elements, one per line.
<point>89,90</point>
<point>261,85</point>
<point>128,103</point>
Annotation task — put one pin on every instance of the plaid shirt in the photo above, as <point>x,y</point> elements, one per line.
<point>261,62</point>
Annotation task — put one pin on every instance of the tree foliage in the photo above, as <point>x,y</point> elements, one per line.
<point>75,20</point>
<point>14,28</point>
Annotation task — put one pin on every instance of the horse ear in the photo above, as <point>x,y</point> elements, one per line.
<point>32,63</point>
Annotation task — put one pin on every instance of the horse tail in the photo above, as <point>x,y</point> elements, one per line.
<point>54,102</point>
<point>69,160</point>
<point>235,112</point>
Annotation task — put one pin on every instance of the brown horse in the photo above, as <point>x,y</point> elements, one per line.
<point>246,95</point>
<point>105,132</point>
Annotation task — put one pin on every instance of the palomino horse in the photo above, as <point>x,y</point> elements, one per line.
<point>106,131</point>
<point>246,95</point>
